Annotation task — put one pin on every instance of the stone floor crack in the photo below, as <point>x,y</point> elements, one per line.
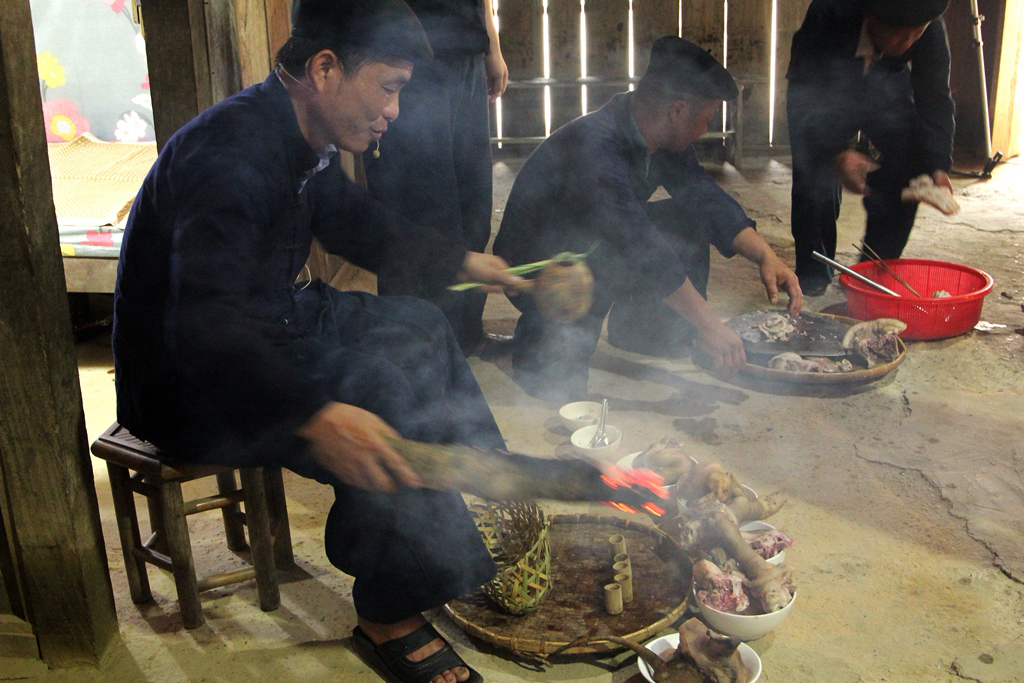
<point>955,668</point>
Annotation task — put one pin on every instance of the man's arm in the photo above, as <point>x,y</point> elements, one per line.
<point>933,101</point>
<point>494,63</point>
<point>820,113</point>
<point>775,274</point>
<point>721,343</point>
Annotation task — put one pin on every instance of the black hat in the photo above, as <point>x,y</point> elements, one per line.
<point>387,26</point>
<point>685,67</point>
<point>905,12</point>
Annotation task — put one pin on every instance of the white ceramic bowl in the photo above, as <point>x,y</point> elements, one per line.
<point>581,442</point>
<point>764,526</point>
<point>671,642</point>
<point>579,414</point>
<point>743,626</point>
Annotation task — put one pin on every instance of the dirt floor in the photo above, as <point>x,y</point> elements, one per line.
<point>906,496</point>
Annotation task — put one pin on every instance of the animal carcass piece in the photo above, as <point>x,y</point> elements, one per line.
<point>666,458</point>
<point>792,362</point>
<point>767,543</point>
<point>875,341</point>
<point>923,189</point>
<point>718,589</point>
<point>777,328</point>
<point>703,656</point>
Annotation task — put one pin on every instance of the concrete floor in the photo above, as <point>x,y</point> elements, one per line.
<point>906,497</point>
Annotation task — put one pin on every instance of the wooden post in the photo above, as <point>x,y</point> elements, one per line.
<point>49,504</point>
<point>179,68</point>
<point>1008,108</point>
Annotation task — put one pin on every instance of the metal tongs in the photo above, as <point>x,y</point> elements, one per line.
<point>600,438</point>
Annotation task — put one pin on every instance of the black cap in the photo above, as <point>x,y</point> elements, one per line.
<point>905,13</point>
<point>685,67</point>
<point>387,26</point>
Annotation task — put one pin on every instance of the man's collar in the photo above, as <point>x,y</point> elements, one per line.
<point>304,157</point>
<point>637,144</point>
<point>866,48</point>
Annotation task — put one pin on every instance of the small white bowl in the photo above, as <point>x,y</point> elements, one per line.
<point>579,414</point>
<point>764,526</point>
<point>743,626</point>
<point>671,642</point>
<point>581,441</point>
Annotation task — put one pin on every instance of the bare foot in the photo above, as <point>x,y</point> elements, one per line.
<point>381,633</point>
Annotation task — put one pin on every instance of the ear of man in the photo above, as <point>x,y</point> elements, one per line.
<point>321,66</point>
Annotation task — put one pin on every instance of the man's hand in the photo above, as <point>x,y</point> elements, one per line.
<point>351,444</point>
<point>497,73</point>
<point>852,168</point>
<point>489,269</point>
<point>776,275</point>
<point>941,178</point>
<point>724,346</point>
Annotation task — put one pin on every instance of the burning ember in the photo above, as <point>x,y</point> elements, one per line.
<point>643,482</point>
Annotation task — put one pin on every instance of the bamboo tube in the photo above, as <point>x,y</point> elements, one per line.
<point>625,582</point>
<point>621,557</point>
<point>618,544</point>
<point>623,568</point>
<point>613,598</point>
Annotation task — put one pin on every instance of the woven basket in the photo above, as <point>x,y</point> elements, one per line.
<point>516,534</point>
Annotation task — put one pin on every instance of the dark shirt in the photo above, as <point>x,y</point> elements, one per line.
<point>586,187</point>
<point>831,98</point>
<point>454,27</point>
<point>210,332</point>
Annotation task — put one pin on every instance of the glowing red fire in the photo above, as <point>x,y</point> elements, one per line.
<point>615,478</point>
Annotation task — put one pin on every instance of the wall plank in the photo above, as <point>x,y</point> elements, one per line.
<point>1008,107</point>
<point>521,46</point>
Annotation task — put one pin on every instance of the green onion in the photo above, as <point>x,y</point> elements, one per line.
<point>525,269</point>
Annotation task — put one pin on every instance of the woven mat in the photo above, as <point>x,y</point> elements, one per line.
<point>580,567</point>
<point>95,182</point>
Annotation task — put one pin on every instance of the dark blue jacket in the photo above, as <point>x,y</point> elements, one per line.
<point>210,333</point>
<point>586,187</point>
<point>830,98</point>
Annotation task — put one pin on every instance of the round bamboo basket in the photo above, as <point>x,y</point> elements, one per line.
<point>516,534</point>
<point>581,565</point>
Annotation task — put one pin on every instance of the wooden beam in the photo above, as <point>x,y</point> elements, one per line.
<point>45,471</point>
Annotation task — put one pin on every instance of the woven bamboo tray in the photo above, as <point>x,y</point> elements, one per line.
<point>580,567</point>
<point>858,376</point>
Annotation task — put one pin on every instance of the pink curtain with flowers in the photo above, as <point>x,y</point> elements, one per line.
<point>93,76</point>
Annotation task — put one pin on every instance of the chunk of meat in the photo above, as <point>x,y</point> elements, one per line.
<point>792,362</point>
<point>718,589</point>
<point>876,340</point>
<point>923,189</point>
<point>777,327</point>
<point>767,543</point>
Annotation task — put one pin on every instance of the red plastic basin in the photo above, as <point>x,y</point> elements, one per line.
<point>926,317</point>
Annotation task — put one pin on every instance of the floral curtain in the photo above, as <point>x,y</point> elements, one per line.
<point>92,70</point>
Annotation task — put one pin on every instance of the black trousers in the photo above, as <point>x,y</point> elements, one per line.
<point>397,358</point>
<point>550,359</point>
<point>435,168</point>
<point>817,198</point>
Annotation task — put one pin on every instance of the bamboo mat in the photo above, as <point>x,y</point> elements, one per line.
<point>95,182</point>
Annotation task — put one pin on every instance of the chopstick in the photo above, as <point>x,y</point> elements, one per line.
<point>873,255</point>
<point>852,273</point>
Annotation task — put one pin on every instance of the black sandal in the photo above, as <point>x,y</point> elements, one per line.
<point>391,662</point>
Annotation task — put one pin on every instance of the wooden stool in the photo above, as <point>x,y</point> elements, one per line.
<point>139,467</point>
